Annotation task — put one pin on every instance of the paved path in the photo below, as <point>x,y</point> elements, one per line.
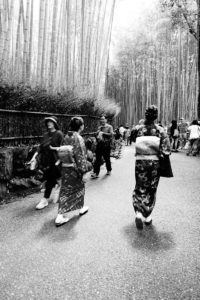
<point>102,255</point>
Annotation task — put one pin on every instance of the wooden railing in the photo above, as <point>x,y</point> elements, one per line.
<point>27,128</point>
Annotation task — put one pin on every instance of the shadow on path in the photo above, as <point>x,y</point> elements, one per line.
<point>31,211</point>
<point>149,238</point>
<point>62,233</point>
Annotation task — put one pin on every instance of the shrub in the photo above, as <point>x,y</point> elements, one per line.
<point>25,98</point>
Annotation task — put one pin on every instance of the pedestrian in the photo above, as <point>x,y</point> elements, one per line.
<point>127,134</point>
<point>103,147</point>
<point>74,165</point>
<point>174,135</point>
<point>121,130</point>
<point>182,126</point>
<point>117,134</point>
<point>151,142</point>
<point>117,143</point>
<point>48,158</point>
<point>194,135</point>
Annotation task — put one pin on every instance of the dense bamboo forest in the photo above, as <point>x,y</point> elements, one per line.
<point>64,47</point>
<point>58,45</point>
<point>158,64</point>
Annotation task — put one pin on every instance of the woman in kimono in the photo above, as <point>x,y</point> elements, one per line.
<point>151,142</point>
<point>74,164</point>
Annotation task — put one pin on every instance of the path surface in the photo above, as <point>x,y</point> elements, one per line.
<point>102,255</point>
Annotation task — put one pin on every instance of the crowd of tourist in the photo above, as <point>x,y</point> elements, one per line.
<point>65,158</point>
<point>183,135</point>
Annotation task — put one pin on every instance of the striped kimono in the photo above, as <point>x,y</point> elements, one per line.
<point>74,165</point>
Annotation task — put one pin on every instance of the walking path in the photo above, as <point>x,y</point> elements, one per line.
<point>102,255</point>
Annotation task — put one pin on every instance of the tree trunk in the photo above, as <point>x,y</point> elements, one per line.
<point>198,55</point>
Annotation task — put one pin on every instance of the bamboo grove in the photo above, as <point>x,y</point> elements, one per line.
<point>56,44</point>
<point>158,66</point>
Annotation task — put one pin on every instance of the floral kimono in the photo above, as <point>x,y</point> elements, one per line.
<point>151,142</point>
<point>74,165</point>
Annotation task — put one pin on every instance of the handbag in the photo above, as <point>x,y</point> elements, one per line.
<point>165,166</point>
<point>33,163</point>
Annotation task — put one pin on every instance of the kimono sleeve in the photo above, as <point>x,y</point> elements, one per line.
<point>165,147</point>
<point>80,155</point>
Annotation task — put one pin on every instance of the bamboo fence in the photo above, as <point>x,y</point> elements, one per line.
<point>25,128</point>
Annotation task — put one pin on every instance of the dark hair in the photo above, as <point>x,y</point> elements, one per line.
<point>195,122</point>
<point>88,144</point>
<point>174,123</point>
<point>76,123</point>
<point>151,113</point>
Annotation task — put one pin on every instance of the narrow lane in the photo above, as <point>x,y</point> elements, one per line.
<point>102,255</point>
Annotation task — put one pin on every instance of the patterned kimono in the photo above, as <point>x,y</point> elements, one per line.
<point>74,165</point>
<point>151,141</point>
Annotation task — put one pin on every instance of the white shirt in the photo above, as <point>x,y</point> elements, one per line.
<point>121,130</point>
<point>194,131</point>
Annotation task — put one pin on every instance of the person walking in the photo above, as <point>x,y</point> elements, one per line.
<point>117,143</point>
<point>74,165</point>
<point>127,134</point>
<point>151,142</point>
<point>47,158</point>
<point>103,147</point>
<point>121,130</point>
<point>182,126</point>
<point>194,135</point>
<point>174,135</point>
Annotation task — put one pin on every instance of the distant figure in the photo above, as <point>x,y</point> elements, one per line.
<point>182,126</point>
<point>121,130</point>
<point>151,142</point>
<point>117,143</point>
<point>117,134</point>
<point>194,135</point>
<point>104,137</point>
<point>127,133</point>
<point>174,135</point>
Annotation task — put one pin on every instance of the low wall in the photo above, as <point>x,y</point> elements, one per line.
<point>20,132</point>
<point>15,174</point>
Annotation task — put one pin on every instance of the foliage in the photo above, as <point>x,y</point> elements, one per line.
<point>183,13</point>
<point>25,98</point>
